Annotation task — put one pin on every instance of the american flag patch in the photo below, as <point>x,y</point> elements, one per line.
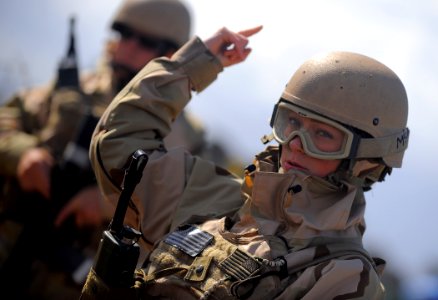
<point>189,239</point>
<point>240,265</point>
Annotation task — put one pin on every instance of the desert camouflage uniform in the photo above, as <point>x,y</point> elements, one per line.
<point>42,117</point>
<point>268,236</point>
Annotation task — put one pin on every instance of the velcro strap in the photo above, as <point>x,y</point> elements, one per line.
<point>383,146</point>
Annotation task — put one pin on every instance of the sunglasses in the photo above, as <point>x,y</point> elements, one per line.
<point>147,42</point>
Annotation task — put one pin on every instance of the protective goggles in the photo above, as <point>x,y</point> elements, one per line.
<point>320,137</point>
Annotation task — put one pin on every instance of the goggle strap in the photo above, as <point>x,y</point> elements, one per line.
<point>274,113</point>
<point>383,146</point>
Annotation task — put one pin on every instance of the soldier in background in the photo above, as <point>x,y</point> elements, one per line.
<point>37,127</point>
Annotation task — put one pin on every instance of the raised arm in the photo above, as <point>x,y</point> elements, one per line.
<point>140,117</point>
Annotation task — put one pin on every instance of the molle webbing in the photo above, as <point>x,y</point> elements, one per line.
<point>212,272</point>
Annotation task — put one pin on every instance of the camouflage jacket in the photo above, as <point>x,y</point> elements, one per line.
<point>270,235</point>
<point>43,116</point>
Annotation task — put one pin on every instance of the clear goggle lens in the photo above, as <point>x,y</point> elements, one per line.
<point>320,136</point>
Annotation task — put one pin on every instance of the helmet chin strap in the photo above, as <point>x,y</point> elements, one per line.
<point>363,172</point>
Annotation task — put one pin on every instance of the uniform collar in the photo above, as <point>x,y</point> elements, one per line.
<point>303,210</point>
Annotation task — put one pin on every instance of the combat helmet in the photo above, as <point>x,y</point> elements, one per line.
<point>164,19</point>
<point>359,94</point>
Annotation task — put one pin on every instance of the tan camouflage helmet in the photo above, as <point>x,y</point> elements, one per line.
<point>359,93</point>
<point>164,19</point>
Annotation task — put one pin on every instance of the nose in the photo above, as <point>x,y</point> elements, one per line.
<point>295,144</point>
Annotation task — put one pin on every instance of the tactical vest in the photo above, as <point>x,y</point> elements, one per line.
<point>191,263</point>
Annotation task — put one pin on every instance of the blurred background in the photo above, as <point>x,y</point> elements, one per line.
<point>402,213</point>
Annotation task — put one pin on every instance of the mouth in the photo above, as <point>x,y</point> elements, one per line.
<point>289,165</point>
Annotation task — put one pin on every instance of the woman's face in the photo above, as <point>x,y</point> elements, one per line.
<point>325,137</point>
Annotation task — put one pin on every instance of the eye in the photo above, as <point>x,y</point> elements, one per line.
<point>294,122</point>
<point>324,133</point>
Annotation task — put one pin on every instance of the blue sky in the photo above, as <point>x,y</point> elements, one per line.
<point>402,212</point>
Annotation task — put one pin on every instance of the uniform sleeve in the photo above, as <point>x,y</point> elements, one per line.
<point>139,118</point>
<point>141,114</point>
<point>341,279</point>
<point>38,117</point>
